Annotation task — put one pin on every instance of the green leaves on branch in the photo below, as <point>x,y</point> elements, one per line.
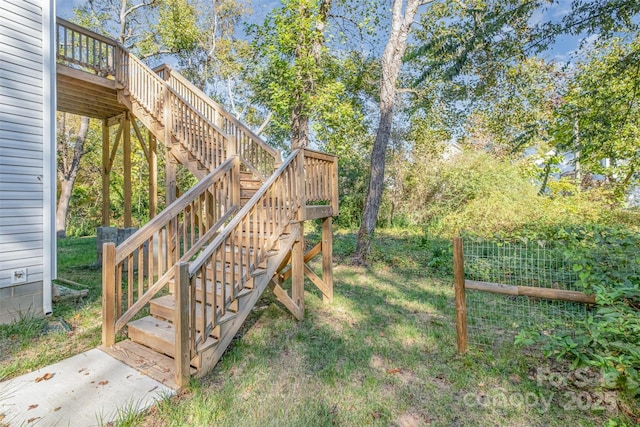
<point>178,25</point>
<point>600,114</point>
<point>608,339</point>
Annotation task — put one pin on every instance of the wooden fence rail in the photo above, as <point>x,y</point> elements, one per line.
<point>461,285</point>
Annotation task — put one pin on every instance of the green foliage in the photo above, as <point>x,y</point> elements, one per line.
<point>477,194</point>
<point>297,71</point>
<point>600,115</point>
<point>607,264</point>
<point>23,329</point>
<point>178,25</point>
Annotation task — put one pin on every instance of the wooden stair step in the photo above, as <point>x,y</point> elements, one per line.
<point>164,307</point>
<point>250,184</point>
<point>199,293</point>
<point>246,193</point>
<point>158,366</point>
<point>159,336</point>
<point>156,334</point>
<point>247,175</point>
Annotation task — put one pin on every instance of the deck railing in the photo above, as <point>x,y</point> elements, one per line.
<point>90,51</point>
<point>85,49</point>
<point>321,179</point>
<point>135,271</point>
<point>201,125</point>
<point>262,158</point>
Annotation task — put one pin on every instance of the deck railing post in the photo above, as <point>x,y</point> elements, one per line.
<point>461,303</point>
<point>235,182</point>
<point>297,270</point>
<point>302,185</point>
<point>108,293</point>
<point>327,258</point>
<point>181,316</point>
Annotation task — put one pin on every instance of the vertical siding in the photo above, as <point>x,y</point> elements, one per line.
<point>21,139</point>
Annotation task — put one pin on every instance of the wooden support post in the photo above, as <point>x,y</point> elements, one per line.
<point>235,182</point>
<point>181,324</point>
<point>170,197</point>
<point>108,293</point>
<point>334,188</point>
<point>170,179</point>
<point>297,269</point>
<point>461,303</point>
<point>301,186</point>
<point>106,178</point>
<point>327,258</point>
<point>126,133</point>
<point>153,175</point>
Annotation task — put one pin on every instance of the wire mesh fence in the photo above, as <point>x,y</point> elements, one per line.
<point>495,319</point>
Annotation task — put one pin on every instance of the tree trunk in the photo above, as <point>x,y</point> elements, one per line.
<point>300,113</point>
<point>391,62</point>
<point>68,167</point>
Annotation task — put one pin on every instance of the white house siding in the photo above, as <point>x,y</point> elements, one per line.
<point>22,174</point>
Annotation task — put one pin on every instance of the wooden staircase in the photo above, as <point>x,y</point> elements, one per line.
<point>199,267</point>
<point>178,290</point>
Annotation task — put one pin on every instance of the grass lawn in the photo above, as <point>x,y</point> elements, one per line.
<point>383,353</point>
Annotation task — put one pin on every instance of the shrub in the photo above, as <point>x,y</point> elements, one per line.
<point>608,266</point>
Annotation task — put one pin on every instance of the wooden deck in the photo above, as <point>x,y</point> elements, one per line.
<point>87,94</point>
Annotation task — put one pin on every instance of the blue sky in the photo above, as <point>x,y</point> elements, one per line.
<point>561,51</point>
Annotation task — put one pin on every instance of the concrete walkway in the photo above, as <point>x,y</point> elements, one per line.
<point>90,389</point>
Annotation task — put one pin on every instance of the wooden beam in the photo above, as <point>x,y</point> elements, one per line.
<point>170,179</point>
<point>313,252</point>
<point>126,131</point>
<point>531,291</point>
<point>171,194</point>
<point>181,324</point>
<point>106,176</point>
<point>153,176</point>
<point>318,211</point>
<point>114,149</point>
<point>461,302</point>
<point>320,284</point>
<point>327,258</point>
<point>136,129</point>
<point>286,300</point>
<point>115,120</point>
<point>108,294</point>
<point>63,70</point>
<point>297,268</point>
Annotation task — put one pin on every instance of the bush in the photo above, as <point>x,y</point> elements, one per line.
<point>608,266</point>
<point>477,194</point>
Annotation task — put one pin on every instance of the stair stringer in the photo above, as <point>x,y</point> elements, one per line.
<point>210,357</point>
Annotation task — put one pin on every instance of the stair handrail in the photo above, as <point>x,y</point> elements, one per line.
<point>107,57</point>
<point>266,187</point>
<point>165,96</point>
<point>157,222</point>
<point>267,213</point>
<point>261,156</point>
<point>176,235</point>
